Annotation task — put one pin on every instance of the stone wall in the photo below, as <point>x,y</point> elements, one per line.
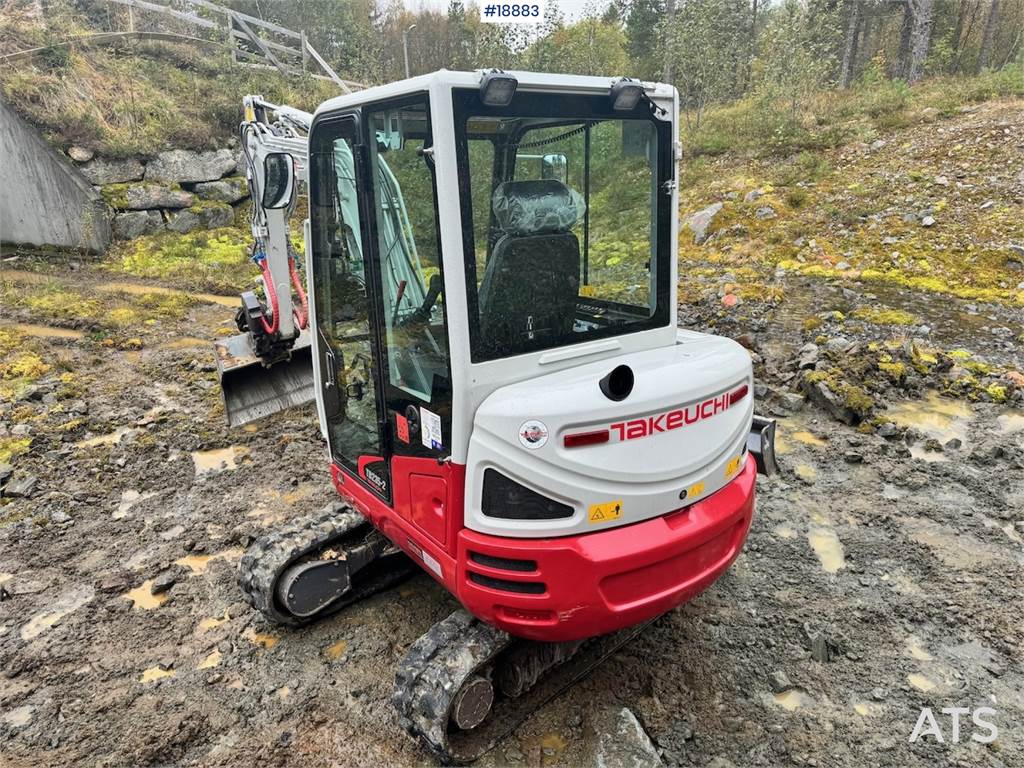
<point>44,200</point>
<point>178,190</point>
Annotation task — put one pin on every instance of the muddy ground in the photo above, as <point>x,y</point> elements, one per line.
<point>882,574</point>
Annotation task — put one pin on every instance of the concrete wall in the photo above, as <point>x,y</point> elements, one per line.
<point>44,200</point>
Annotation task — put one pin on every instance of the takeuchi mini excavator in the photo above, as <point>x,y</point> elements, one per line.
<point>487,324</point>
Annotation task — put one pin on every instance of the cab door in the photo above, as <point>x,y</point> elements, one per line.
<point>344,307</point>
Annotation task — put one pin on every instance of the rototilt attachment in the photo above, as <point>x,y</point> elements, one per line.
<point>253,390</point>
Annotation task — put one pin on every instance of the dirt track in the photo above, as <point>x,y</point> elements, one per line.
<point>876,582</point>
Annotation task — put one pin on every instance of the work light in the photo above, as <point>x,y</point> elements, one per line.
<point>625,94</point>
<point>497,88</point>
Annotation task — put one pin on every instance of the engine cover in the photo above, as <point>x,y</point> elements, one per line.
<point>679,436</point>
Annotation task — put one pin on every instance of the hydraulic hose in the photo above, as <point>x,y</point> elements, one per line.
<point>268,283</point>
<point>301,315</point>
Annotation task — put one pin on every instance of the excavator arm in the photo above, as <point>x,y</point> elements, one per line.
<point>267,366</point>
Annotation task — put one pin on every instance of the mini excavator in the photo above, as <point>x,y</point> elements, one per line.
<point>487,325</point>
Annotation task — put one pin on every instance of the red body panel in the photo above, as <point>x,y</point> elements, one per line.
<point>592,584</point>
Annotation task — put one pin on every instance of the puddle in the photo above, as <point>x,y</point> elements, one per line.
<point>936,417</point>
<point>866,709</point>
<point>828,548</point>
<point>140,289</point>
<point>784,532</point>
<point>920,682</point>
<point>916,650</point>
<point>210,623</point>
<point>806,472</point>
<point>20,716</point>
<point>805,437</point>
<point>1010,423</point>
<point>144,600</point>
<point>792,700</point>
<point>954,549</point>
<point>68,602</point>
<point>210,661</point>
<point>155,673</point>
<point>217,460</point>
<point>45,331</point>
<point>183,342</point>
<point>335,652</point>
<point>198,563</point>
<point>112,438</point>
<point>5,577</point>
<point>260,639</point>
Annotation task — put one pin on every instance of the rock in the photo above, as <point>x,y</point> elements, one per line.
<point>942,181</point>
<point>132,224</point>
<point>22,487</point>
<point>752,195</point>
<point>224,191</point>
<point>877,144</point>
<point>953,444</point>
<point>6,470</point>
<point>929,114</point>
<point>852,457</point>
<point>59,517</point>
<point>163,581</point>
<point>81,154</point>
<point>790,401</point>
<point>767,212</point>
<point>838,345</point>
<point>1018,250</point>
<point>183,165</point>
<point>699,222</point>
<point>819,393</point>
<point>102,171</point>
<point>822,650</point>
<point>890,240</point>
<point>623,743</point>
<point>207,216</point>
<point>928,221</point>
<point>808,356</point>
<point>147,196</point>
<point>778,682</point>
<point>842,266</point>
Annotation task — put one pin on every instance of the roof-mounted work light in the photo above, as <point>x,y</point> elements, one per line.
<point>625,94</point>
<point>497,88</point>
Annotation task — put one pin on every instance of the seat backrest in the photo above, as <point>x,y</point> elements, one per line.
<point>531,282</point>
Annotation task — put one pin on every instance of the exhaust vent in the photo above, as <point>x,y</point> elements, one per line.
<point>503,563</point>
<point>521,587</point>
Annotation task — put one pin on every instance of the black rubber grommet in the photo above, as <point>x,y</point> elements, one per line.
<point>618,384</point>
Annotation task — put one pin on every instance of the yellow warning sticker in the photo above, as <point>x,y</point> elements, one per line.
<point>732,466</point>
<point>603,513</point>
<point>588,290</point>
<point>694,490</point>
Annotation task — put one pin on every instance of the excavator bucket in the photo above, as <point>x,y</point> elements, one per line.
<point>252,390</point>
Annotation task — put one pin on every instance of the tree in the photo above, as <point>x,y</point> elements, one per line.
<point>915,37</point>
<point>991,23</point>
<point>850,42</point>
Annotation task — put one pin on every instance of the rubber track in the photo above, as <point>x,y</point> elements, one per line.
<point>442,660</point>
<point>268,557</point>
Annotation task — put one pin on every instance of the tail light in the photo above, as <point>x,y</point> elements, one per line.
<point>507,499</point>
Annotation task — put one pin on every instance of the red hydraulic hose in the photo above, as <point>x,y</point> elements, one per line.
<point>301,315</point>
<point>268,283</point>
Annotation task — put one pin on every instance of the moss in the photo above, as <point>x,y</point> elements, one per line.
<point>115,195</point>
<point>895,370</point>
<point>997,392</point>
<point>812,323</point>
<point>885,316</point>
<point>13,446</point>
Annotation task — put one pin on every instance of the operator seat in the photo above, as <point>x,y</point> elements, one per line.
<point>532,279</point>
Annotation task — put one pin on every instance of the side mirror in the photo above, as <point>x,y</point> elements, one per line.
<point>278,180</point>
<point>555,167</point>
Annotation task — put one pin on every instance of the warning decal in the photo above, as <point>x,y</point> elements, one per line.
<point>603,513</point>
<point>402,427</point>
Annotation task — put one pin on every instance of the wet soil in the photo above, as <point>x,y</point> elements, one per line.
<point>878,581</point>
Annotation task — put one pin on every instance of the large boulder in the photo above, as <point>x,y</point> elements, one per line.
<point>699,222</point>
<point>101,171</point>
<point>141,197</point>
<point>229,190</point>
<point>132,224</point>
<point>206,216</point>
<point>186,166</point>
